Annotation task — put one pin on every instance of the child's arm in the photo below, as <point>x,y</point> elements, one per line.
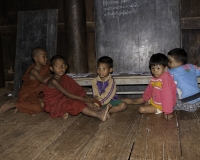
<point>168,96</point>
<point>95,90</point>
<point>147,93</point>
<point>55,84</point>
<point>34,74</point>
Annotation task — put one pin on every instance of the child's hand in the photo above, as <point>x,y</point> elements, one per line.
<point>90,105</point>
<point>93,106</point>
<point>146,103</point>
<point>89,99</point>
<point>47,77</point>
<point>168,116</point>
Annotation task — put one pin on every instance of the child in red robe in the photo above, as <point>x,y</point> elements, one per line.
<point>30,97</point>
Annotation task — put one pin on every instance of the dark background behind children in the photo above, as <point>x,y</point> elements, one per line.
<point>8,30</point>
<point>9,15</point>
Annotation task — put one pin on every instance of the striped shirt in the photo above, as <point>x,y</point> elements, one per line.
<point>104,91</point>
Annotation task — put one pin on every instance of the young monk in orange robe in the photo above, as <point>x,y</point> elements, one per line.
<point>30,98</point>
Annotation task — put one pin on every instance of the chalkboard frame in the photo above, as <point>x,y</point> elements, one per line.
<point>130,31</point>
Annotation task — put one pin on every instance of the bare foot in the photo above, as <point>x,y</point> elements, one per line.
<point>103,114</point>
<point>7,106</point>
<point>41,102</point>
<point>93,106</point>
<point>16,110</point>
<point>109,105</point>
<point>65,116</point>
<point>96,107</point>
<point>108,115</point>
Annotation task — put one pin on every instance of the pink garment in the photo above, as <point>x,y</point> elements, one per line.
<point>162,90</point>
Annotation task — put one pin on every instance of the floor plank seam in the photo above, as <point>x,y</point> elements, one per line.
<point>178,130</point>
<point>132,147</point>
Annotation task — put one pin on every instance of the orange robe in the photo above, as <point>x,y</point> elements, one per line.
<point>57,104</point>
<point>30,92</point>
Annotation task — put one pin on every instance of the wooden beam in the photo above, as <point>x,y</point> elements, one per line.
<point>75,31</point>
<point>90,26</point>
<point>12,29</point>
<point>8,30</point>
<point>120,80</point>
<point>2,79</point>
<point>190,23</point>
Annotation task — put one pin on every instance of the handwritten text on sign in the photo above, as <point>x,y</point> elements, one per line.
<point>118,8</point>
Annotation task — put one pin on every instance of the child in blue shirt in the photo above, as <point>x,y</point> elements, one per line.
<point>185,76</point>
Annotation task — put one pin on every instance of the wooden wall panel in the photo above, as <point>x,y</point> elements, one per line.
<point>191,43</point>
<point>91,50</point>
<point>53,4</point>
<point>61,47</point>
<point>2,77</point>
<point>92,59</point>
<point>190,8</point>
<point>191,33</point>
<point>9,50</point>
<point>2,12</point>
<point>89,4</point>
<point>185,11</point>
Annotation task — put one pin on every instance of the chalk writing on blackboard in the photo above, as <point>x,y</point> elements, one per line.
<point>118,8</point>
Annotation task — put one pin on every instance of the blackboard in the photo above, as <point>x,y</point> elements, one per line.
<point>130,31</point>
<point>35,29</point>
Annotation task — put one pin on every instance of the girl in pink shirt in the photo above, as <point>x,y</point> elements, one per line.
<point>160,94</point>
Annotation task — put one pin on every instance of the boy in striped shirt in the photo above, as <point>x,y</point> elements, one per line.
<point>104,86</point>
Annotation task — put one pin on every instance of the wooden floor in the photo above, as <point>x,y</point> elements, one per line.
<point>125,136</point>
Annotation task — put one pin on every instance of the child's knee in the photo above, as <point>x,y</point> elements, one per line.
<point>141,109</point>
<point>123,106</point>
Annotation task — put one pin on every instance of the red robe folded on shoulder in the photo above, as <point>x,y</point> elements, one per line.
<point>30,92</point>
<point>57,104</point>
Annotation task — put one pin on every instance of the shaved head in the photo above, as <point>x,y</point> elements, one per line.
<point>36,51</point>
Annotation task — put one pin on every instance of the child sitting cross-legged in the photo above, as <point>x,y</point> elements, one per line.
<point>104,86</point>
<point>30,97</point>
<point>160,94</point>
<point>185,76</point>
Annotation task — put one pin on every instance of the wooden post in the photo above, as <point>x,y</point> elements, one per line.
<point>75,29</point>
<point>2,77</point>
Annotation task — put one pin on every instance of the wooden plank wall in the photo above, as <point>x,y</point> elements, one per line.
<point>190,17</point>
<point>91,49</point>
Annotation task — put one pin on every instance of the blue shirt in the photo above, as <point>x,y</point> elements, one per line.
<point>185,78</point>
